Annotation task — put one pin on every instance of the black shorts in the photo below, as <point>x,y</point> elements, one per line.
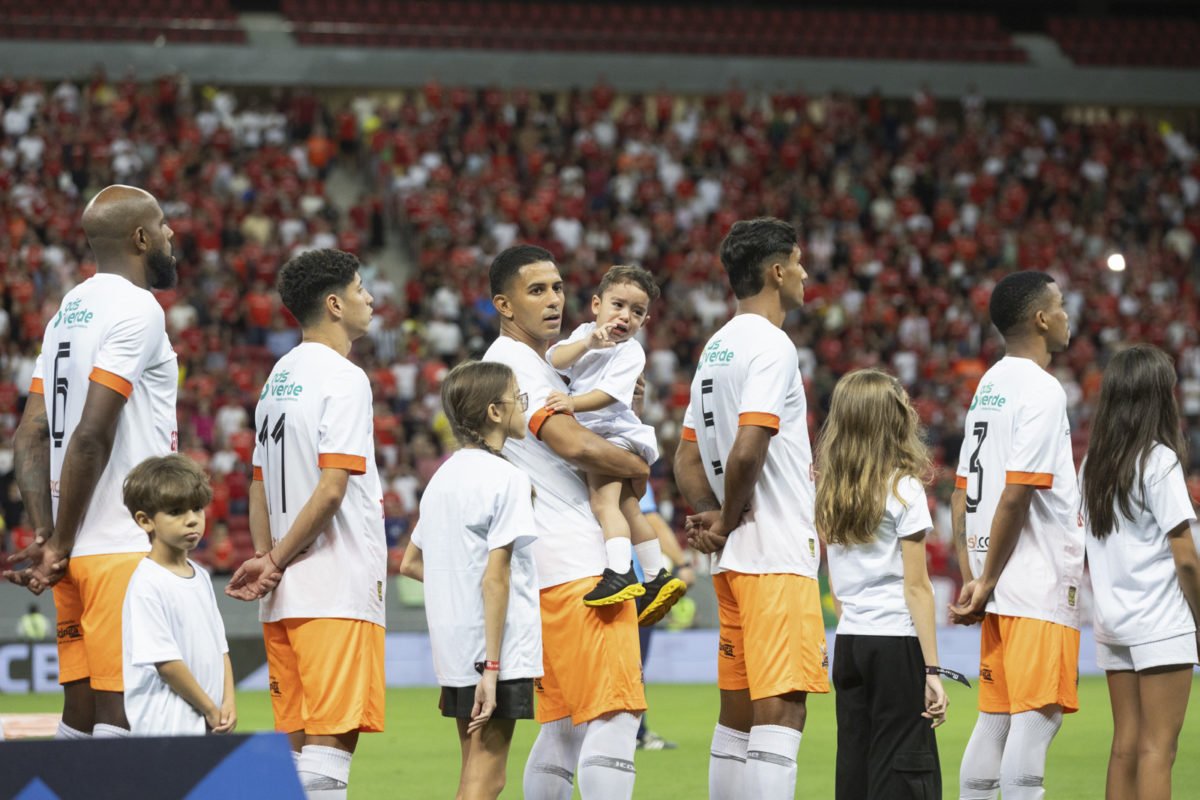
<point>514,700</point>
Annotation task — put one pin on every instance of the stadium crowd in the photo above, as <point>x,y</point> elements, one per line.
<point>910,212</point>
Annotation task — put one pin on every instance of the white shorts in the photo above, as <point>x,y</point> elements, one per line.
<point>638,439</point>
<point>1138,657</point>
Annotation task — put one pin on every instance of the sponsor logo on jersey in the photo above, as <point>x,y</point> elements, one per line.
<point>978,542</point>
<point>280,387</point>
<point>812,547</point>
<point>72,315</point>
<point>379,589</point>
<point>987,398</point>
<point>985,674</point>
<point>824,656</point>
<point>274,687</point>
<point>713,355</point>
<point>69,631</point>
<point>1071,592</point>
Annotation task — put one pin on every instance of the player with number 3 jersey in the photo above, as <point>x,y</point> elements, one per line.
<point>1020,542</point>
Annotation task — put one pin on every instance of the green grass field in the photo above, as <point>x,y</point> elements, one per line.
<point>419,751</point>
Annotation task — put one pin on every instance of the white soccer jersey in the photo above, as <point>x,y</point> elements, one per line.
<point>111,332</point>
<point>1017,433</point>
<point>476,503</point>
<point>614,371</point>
<point>1136,588</point>
<point>749,375</point>
<point>315,412</point>
<point>570,544</point>
<point>868,579</point>
<point>167,617</point>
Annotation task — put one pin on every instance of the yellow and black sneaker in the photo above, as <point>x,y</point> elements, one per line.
<point>614,588</point>
<point>661,593</point>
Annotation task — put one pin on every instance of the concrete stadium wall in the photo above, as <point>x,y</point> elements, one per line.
<point>1054,82</point>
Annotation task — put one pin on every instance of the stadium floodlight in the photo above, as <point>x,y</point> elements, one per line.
<point>1116,262</point>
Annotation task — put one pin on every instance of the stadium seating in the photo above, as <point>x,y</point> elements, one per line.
<point>1135,42</point>
<point>681,29</point>
<point>191,21</point>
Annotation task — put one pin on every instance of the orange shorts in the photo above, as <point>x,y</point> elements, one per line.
<point>591,657</point>
<point>772,634</point>
<point>1026,664</point>
<point>326,675</point>
<point>88,602</point>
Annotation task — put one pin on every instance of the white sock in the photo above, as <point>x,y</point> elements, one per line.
<point>103,731</point>
<point>65,731</point>
<point>324,772</point>
<point>650,557</point>
<point>619,553</point>
<point>979,775</point>
<point>1023,769</point>
<point>550,769</point>
<point>771,762</point>
<point>606,769</point>
<point>727,764</point>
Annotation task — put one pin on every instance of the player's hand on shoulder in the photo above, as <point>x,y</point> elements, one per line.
<point>560,402</point>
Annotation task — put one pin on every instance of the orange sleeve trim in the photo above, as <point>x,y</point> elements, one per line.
<point>960,482</point>
<point>1040,480</point>
<point>760,420</point>
<point>112,381</point>
<point>35,386</point>
<point>258,473</point>
<point>539,419</point>
<point>688,435</point>
<point>355,465</point>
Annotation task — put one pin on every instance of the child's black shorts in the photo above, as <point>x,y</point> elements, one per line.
<point>514,700</point>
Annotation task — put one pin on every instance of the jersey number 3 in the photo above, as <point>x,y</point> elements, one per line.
<point>980,432</point>
<point>276,436</point>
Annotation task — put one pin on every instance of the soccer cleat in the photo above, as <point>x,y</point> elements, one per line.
<point>661,593</point>
<point>652,741</point>
<point>614,588</point>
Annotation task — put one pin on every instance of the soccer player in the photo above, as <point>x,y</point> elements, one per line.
<point>745,465</point>
<point>102,401</point>
<point>591,696</point>
<point>603,362</point>
<point>871,509</point>
<point>316,515</point>
<point>178,677</point>
<point>1145,571</point>
<point>1017,528</point>
<point>473,549</point>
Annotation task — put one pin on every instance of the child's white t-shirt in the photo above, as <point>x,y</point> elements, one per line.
<point>167,617</point>
<point>614,371</point>
<point>868,579</point>
<point>476,503</point>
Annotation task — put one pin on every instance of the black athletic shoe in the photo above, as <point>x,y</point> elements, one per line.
<point>661,593</point>
<point>614,588</point>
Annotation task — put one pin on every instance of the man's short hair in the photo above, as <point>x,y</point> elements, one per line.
<point>506,265</point>
<point>624,273</point>
<point>1016,298</point>
<point>167,484</point>
<point>747,248</point>
<point>308,278</point>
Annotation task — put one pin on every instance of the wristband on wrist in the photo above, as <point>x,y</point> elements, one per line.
<point>490,666</point>
<point>948,673</point>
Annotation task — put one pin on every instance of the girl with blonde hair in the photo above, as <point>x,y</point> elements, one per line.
<point>873,514</point>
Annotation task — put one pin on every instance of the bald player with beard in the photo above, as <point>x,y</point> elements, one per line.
<point>102,400</point>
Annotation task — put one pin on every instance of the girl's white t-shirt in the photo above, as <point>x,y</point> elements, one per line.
<point>1137,595</point>
<point>475,503</point>
<point>167,617</point>
<point>868,579</point>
